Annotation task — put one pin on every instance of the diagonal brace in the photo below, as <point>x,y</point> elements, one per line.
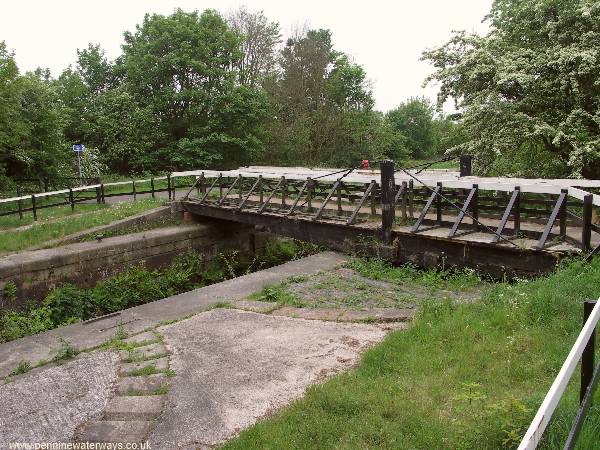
<point>560,204</point>
<point>264,205</point>
<point>322,207</point>
<point>205,196</point>
<point>352,218</point>
<point>511,204</point>
<point>434,195</point>
<point>229,189</point>
<point>254,186</point>
<point>462,212</point>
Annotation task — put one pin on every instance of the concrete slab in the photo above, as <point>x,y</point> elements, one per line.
<point>48,405</point>
<point>159,364</point>
<point>115,431</point>
<point>144,385</point>
<point>234,367</point>
<point>141,338</point>
<point>255,306</point>
<point>139,407</point>
<point>135,320</point>
<point>146,352</point>
<point>309,313</point>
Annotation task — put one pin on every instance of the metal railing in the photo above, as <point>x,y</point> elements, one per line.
<point>583,350</point>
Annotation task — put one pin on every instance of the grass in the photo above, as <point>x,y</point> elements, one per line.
<point>374,284</point>
<point>61,222</point>
<point>464,376</point>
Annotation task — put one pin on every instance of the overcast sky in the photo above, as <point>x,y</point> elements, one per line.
<point>386,37</point>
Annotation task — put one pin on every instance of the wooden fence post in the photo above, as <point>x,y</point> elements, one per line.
<point>33,207</point>
<point>19,203</point>
<point>169,185</point>
<point>152,187</point>
<point>586,229</point>
<point>71,200</point>
<point>388,210</point>
<point>134,191</point>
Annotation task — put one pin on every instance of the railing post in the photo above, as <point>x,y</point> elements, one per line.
<point>438,205</point>
<point>339,197</point>
<point>411,199</point>
<point>134,192</point>
<point>169,185</point>
<point>586,229</point>
<point>388,211</point>
<point>71,201</point>
<point>466,162</point>
<point>587,357</point>
<point>309,194</point>
<point>33,207</point>
<point>152,187</point>
<point>284,191</point>
<point>404,198</point>
<point>475,207</point>
<point>562,216</point>
<point>102,193</point>
<point>19,203</point>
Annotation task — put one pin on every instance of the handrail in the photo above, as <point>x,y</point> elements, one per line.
<point>534,433</point>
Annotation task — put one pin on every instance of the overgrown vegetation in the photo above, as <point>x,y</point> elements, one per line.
<point>463,376</point>
<point>139,285</point>
<point>60,222</point>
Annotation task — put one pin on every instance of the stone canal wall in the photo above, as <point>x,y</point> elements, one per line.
<point>36,272</point>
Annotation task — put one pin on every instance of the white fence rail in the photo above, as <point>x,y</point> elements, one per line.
<point>534,434</point>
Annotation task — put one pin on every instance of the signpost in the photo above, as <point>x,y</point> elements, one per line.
<point>78,148</point>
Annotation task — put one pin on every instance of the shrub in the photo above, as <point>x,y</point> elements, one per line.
<point>10,290</point>
<point>14,325</point>
<point>69,304</point>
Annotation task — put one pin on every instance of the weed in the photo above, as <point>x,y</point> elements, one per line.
<point>9,291</point>
<point>22,367</point>
<point>163,390</point>
<point>65,352</point>
<point>169,373</point>
<point>144,371</point>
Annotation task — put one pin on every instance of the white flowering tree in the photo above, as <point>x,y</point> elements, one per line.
<point>529,90</point>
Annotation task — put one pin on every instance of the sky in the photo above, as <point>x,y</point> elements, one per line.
<point>385,37</point>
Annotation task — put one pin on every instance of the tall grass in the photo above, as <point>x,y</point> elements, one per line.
<point>60,222</point>
<point>464,376</point>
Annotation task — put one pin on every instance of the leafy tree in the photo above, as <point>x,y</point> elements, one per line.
<point>414,120</point>
<point>31,120</point>
<point>528,87</point>
<point>179,67</point>
<point>259,37</point>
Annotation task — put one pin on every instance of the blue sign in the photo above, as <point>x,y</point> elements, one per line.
<point>78,148</point>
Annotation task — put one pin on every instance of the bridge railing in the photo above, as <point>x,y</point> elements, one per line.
<point>553,215</point>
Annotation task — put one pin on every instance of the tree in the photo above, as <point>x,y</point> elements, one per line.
<point>179,68</point>
<point>528,88</point>
<point>31,121</point>
<point>259,37</point>
<point>414,120</point>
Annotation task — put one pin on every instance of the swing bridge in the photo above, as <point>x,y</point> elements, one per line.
<point>432,218</point>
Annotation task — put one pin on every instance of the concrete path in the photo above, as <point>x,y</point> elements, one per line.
<point>211,376</point>
<point>47,405</point>
<point>234,367</point>
<point>134,320</point>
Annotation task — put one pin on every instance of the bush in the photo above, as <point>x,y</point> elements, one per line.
<point>69,304</point>
<point>14,325</point>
